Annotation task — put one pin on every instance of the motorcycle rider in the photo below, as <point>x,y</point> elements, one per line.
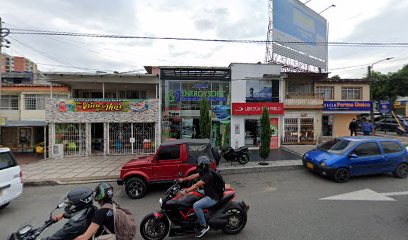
<point>103,216</point>
<point>211,196</point>
<point>79,210</point>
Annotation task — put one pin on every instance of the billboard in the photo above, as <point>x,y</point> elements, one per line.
<point>293,21</point>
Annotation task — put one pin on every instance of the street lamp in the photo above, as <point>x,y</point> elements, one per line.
<point>307,2</point>
<point>369,76</point>
<point>333,5</point>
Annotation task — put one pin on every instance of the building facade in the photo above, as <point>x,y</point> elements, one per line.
<point>253,87</point>
<point>105,114</point>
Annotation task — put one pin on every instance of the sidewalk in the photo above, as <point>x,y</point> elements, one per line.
<point>99,168</point>
<point>299,150</point>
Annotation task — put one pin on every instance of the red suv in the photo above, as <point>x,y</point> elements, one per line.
<point>173,159</point>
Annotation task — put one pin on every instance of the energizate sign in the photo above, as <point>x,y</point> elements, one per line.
<point>256,108</point>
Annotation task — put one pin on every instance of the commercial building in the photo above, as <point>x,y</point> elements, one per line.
<point>253,87</point>
<point>104,114</point>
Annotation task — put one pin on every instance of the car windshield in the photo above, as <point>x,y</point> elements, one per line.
<point>336,146</point>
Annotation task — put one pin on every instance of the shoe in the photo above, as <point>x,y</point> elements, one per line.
<point>202,230</point>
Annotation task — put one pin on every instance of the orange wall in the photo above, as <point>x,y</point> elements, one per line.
<point>341,123</point>
<point>19,64</point>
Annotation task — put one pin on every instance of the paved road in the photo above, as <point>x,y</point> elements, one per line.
<point>284,205</point>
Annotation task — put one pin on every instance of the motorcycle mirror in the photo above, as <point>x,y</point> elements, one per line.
<point>61,205</point>
<point>25,230</point>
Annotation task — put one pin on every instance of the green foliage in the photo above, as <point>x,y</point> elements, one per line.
<point>391,85</point>
<point>217,135</point>
<point>265,150</point>
<point>205,121</point>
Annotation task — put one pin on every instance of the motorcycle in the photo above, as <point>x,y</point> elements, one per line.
<point>228,215</point>
<point>240,155</point>
<point>29,233</point>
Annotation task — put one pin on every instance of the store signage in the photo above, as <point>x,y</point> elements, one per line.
<point>3,121</point>
<point>274,133</point>
<point>97,105</point>
<point>197,91</point>
<point>384,106</point>
<point>256,108</point>
<point>358,106</point>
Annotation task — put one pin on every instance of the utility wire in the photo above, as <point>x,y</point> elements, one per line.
<point>95,35</point>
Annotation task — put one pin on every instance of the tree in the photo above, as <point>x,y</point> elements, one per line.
<point>265,150</point>
<point>205,121</point>
<point>217,135</point>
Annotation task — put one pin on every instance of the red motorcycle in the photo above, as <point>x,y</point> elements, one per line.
<point>227,215</point>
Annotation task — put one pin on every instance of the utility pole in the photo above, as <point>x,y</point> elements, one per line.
<point>371,95</point>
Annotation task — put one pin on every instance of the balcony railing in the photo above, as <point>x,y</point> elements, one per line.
<point>303,99</point>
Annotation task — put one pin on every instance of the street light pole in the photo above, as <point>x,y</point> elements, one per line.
<point>369,77</point>
<point>333,5</point>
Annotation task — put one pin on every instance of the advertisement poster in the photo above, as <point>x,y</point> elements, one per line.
<point>258,90</point>
<point>384,106</point>
<point>97,105</point>
<point>274,133</point>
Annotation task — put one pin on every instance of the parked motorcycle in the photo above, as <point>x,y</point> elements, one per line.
<point>29,233</point>
<point>240,155</point>
<point>227,215</point>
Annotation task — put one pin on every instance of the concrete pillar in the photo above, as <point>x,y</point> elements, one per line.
<point>51,138</point>
<point>105,138</point>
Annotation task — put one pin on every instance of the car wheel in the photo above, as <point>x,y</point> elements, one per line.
<point>135,188</point>
<point>342,175</point>
<point>4,205</point>
<point>401,171</point>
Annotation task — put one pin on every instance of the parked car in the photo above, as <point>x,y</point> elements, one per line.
<point>391,125</point>
<point>344,157</point>
<point>11,185</point>
<point>173,159</point>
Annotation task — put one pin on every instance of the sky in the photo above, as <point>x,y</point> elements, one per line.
<point>349,21</point>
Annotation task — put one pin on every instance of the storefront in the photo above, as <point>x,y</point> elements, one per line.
<point>246,123</point>
<point>337,116</point>
<point>182,93</point>
<point>301,127</point>
<point>80,127</point>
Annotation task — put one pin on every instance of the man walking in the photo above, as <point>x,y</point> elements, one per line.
<point>353,127</point>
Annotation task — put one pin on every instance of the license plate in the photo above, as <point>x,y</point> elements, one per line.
<point>309,165</point>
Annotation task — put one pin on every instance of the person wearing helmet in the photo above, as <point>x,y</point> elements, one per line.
<point>103,220</point>
<point>211,196</point>
<point>79,210</point>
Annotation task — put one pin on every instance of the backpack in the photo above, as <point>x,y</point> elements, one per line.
<point>125,226</point>
<point>219,183</point>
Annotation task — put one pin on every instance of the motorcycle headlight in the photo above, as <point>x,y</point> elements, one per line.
<point>161,202</point>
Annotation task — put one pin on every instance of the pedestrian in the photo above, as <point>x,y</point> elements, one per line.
<point>367,128</point>
<point>353,127</point>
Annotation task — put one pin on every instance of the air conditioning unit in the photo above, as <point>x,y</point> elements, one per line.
<point>58,151</point>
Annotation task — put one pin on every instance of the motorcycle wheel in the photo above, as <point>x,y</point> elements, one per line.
<point>154,229</point>
<point>244,159</point>
<point>236,221</point>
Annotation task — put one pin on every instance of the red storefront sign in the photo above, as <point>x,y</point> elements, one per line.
<point>255,108</point>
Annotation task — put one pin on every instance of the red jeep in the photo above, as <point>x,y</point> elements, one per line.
<point>173,159</point>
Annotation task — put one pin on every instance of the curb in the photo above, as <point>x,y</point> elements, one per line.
<point>225,171</point>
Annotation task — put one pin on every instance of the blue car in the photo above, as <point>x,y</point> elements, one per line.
<point>344,157</point>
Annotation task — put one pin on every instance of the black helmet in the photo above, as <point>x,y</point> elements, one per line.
<point>103,192</point>
<point>78,199</point>
<point>203,165</point>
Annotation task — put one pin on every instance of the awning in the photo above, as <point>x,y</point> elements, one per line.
<point>24,123</point>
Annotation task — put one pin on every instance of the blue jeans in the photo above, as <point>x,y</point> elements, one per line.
<point>198,206</point>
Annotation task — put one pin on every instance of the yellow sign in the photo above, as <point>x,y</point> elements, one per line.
<point>3,121</point>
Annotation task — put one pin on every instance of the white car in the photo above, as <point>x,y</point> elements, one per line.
<point>11,185</point>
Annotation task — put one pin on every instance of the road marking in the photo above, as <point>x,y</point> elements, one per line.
<point>365,195</point>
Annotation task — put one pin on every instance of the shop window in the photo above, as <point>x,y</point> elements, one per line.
<point>306,130</point>
<point>35,101</point>
<point>252,132</point>
<point>291,130</point>
<point>9,102</point>
<point>299,130</point>
<point>300,87</point>
<point>351,93</point>
<point>327,92</point>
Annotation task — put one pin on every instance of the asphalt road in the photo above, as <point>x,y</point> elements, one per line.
<point>283,205</point>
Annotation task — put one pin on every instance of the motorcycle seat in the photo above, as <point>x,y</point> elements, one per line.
<point>240,149</point>
<point>226,198</point>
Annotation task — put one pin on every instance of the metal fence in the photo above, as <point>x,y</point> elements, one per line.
<point>73,137</point>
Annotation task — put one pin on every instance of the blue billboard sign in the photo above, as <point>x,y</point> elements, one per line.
<point>347,106</point>
<point>384,106</point>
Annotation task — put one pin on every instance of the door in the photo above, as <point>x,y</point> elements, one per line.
<point>10,182</point>
<point>167,164</point>
<point>369,159</point>
<point>394,153</point>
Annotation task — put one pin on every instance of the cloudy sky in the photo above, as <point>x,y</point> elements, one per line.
<point>350,20</point>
